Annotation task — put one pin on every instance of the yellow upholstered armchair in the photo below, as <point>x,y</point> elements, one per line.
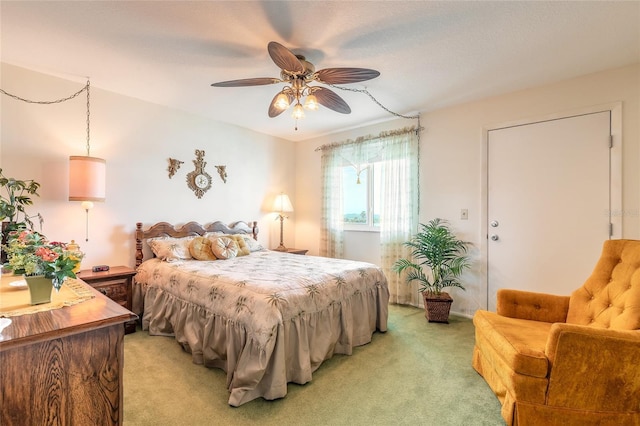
<point>568,360</point>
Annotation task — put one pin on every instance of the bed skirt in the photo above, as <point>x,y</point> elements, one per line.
<point>261,366</point>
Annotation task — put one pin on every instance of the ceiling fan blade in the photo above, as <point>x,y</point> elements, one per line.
<point>345,75</point>
<point>284,58</point>
<point>247,82</point>
<point>274,111</point>
<point>331,100</point>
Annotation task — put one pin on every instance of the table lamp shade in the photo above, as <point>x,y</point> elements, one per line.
<point>87,178</point>
<point>282,204</point>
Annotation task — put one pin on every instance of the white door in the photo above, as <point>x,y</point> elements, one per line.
<point>548,206</point>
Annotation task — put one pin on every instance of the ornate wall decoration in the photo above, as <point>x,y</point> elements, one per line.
<point>174,165</point>
<point>199,180</point>
<point>222,171</point>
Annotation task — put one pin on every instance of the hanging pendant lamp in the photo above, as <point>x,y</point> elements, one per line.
<point>87,176</point>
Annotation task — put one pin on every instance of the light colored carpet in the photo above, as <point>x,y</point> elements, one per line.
<point>416,373</point>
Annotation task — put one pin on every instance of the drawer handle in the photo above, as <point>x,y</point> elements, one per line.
<point>103,291</point>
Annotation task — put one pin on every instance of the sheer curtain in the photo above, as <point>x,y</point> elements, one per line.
<point>331,230</point>
<point>398,155</point>
<point>399,193</point>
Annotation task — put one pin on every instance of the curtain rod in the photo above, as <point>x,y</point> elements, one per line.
<point>361,139</point>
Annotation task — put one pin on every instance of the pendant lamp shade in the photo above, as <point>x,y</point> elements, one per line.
<point>87,178</point>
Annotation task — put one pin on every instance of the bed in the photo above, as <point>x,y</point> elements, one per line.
<point>266,318</point>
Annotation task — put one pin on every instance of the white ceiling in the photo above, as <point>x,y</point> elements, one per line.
<point>430,54</point>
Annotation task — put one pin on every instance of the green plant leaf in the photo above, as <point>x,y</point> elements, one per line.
<point>437,249</point>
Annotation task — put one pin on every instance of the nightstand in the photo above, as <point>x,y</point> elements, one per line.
<point>116,284</point>
<point>294,251</point>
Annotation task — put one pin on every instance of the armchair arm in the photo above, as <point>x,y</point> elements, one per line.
<point>532,306</point>
<point>593,368</point>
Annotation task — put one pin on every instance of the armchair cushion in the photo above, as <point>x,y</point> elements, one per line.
<point>520,343</point>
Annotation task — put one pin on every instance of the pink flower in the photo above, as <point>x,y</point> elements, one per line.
<point>46,254</point>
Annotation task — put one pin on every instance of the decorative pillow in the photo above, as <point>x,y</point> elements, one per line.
<point>200,249</point>
<point>243,249</point>
<point>171,249</point>
<point>224,248</point>
<point>252,244</point>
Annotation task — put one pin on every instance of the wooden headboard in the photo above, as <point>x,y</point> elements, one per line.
<point>164,229</point>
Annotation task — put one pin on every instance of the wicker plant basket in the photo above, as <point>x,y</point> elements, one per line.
<point>437,307</point>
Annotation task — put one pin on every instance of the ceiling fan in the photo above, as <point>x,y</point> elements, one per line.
<point>298,73</point>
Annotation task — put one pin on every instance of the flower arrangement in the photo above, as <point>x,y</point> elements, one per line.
<point>30,253</point>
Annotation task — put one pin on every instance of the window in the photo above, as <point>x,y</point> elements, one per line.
<point>361,197</point>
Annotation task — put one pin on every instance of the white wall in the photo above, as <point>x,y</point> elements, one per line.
<point>451,163</point>
<point>135,138</point>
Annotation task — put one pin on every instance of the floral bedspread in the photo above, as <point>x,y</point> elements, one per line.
<point>267,318</point>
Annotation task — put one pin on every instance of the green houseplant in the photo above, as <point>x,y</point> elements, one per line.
<point>435,248</point>
<point>15,195</point>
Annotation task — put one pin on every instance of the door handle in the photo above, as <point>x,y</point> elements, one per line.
<point>494,237</point>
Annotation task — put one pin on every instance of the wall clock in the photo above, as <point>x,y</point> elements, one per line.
<point>199,180</point>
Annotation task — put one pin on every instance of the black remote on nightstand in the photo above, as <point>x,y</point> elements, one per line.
<point>100,268</point>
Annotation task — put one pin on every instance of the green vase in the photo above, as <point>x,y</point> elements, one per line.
<point>40,289</point>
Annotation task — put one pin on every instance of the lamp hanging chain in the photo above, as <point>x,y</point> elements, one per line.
<point>366,92</point>
<point>57,101</point>
<point>88,121</point>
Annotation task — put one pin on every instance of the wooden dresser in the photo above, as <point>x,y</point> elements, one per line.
<point>64,366</point>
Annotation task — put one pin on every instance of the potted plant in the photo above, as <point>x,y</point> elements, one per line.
<point>436,248</point>
<point>14,196</point>
<point>14,199</point>
<point>44,264</point>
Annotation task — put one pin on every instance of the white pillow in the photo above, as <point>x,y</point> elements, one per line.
<point>171,249</point>
<point>251,243</point>
<point>224,247</point>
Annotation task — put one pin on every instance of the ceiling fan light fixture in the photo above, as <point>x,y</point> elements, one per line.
<point>282,101</point>
<point>298,112</point>
<point>311,102</point>
<point>296,73</point>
